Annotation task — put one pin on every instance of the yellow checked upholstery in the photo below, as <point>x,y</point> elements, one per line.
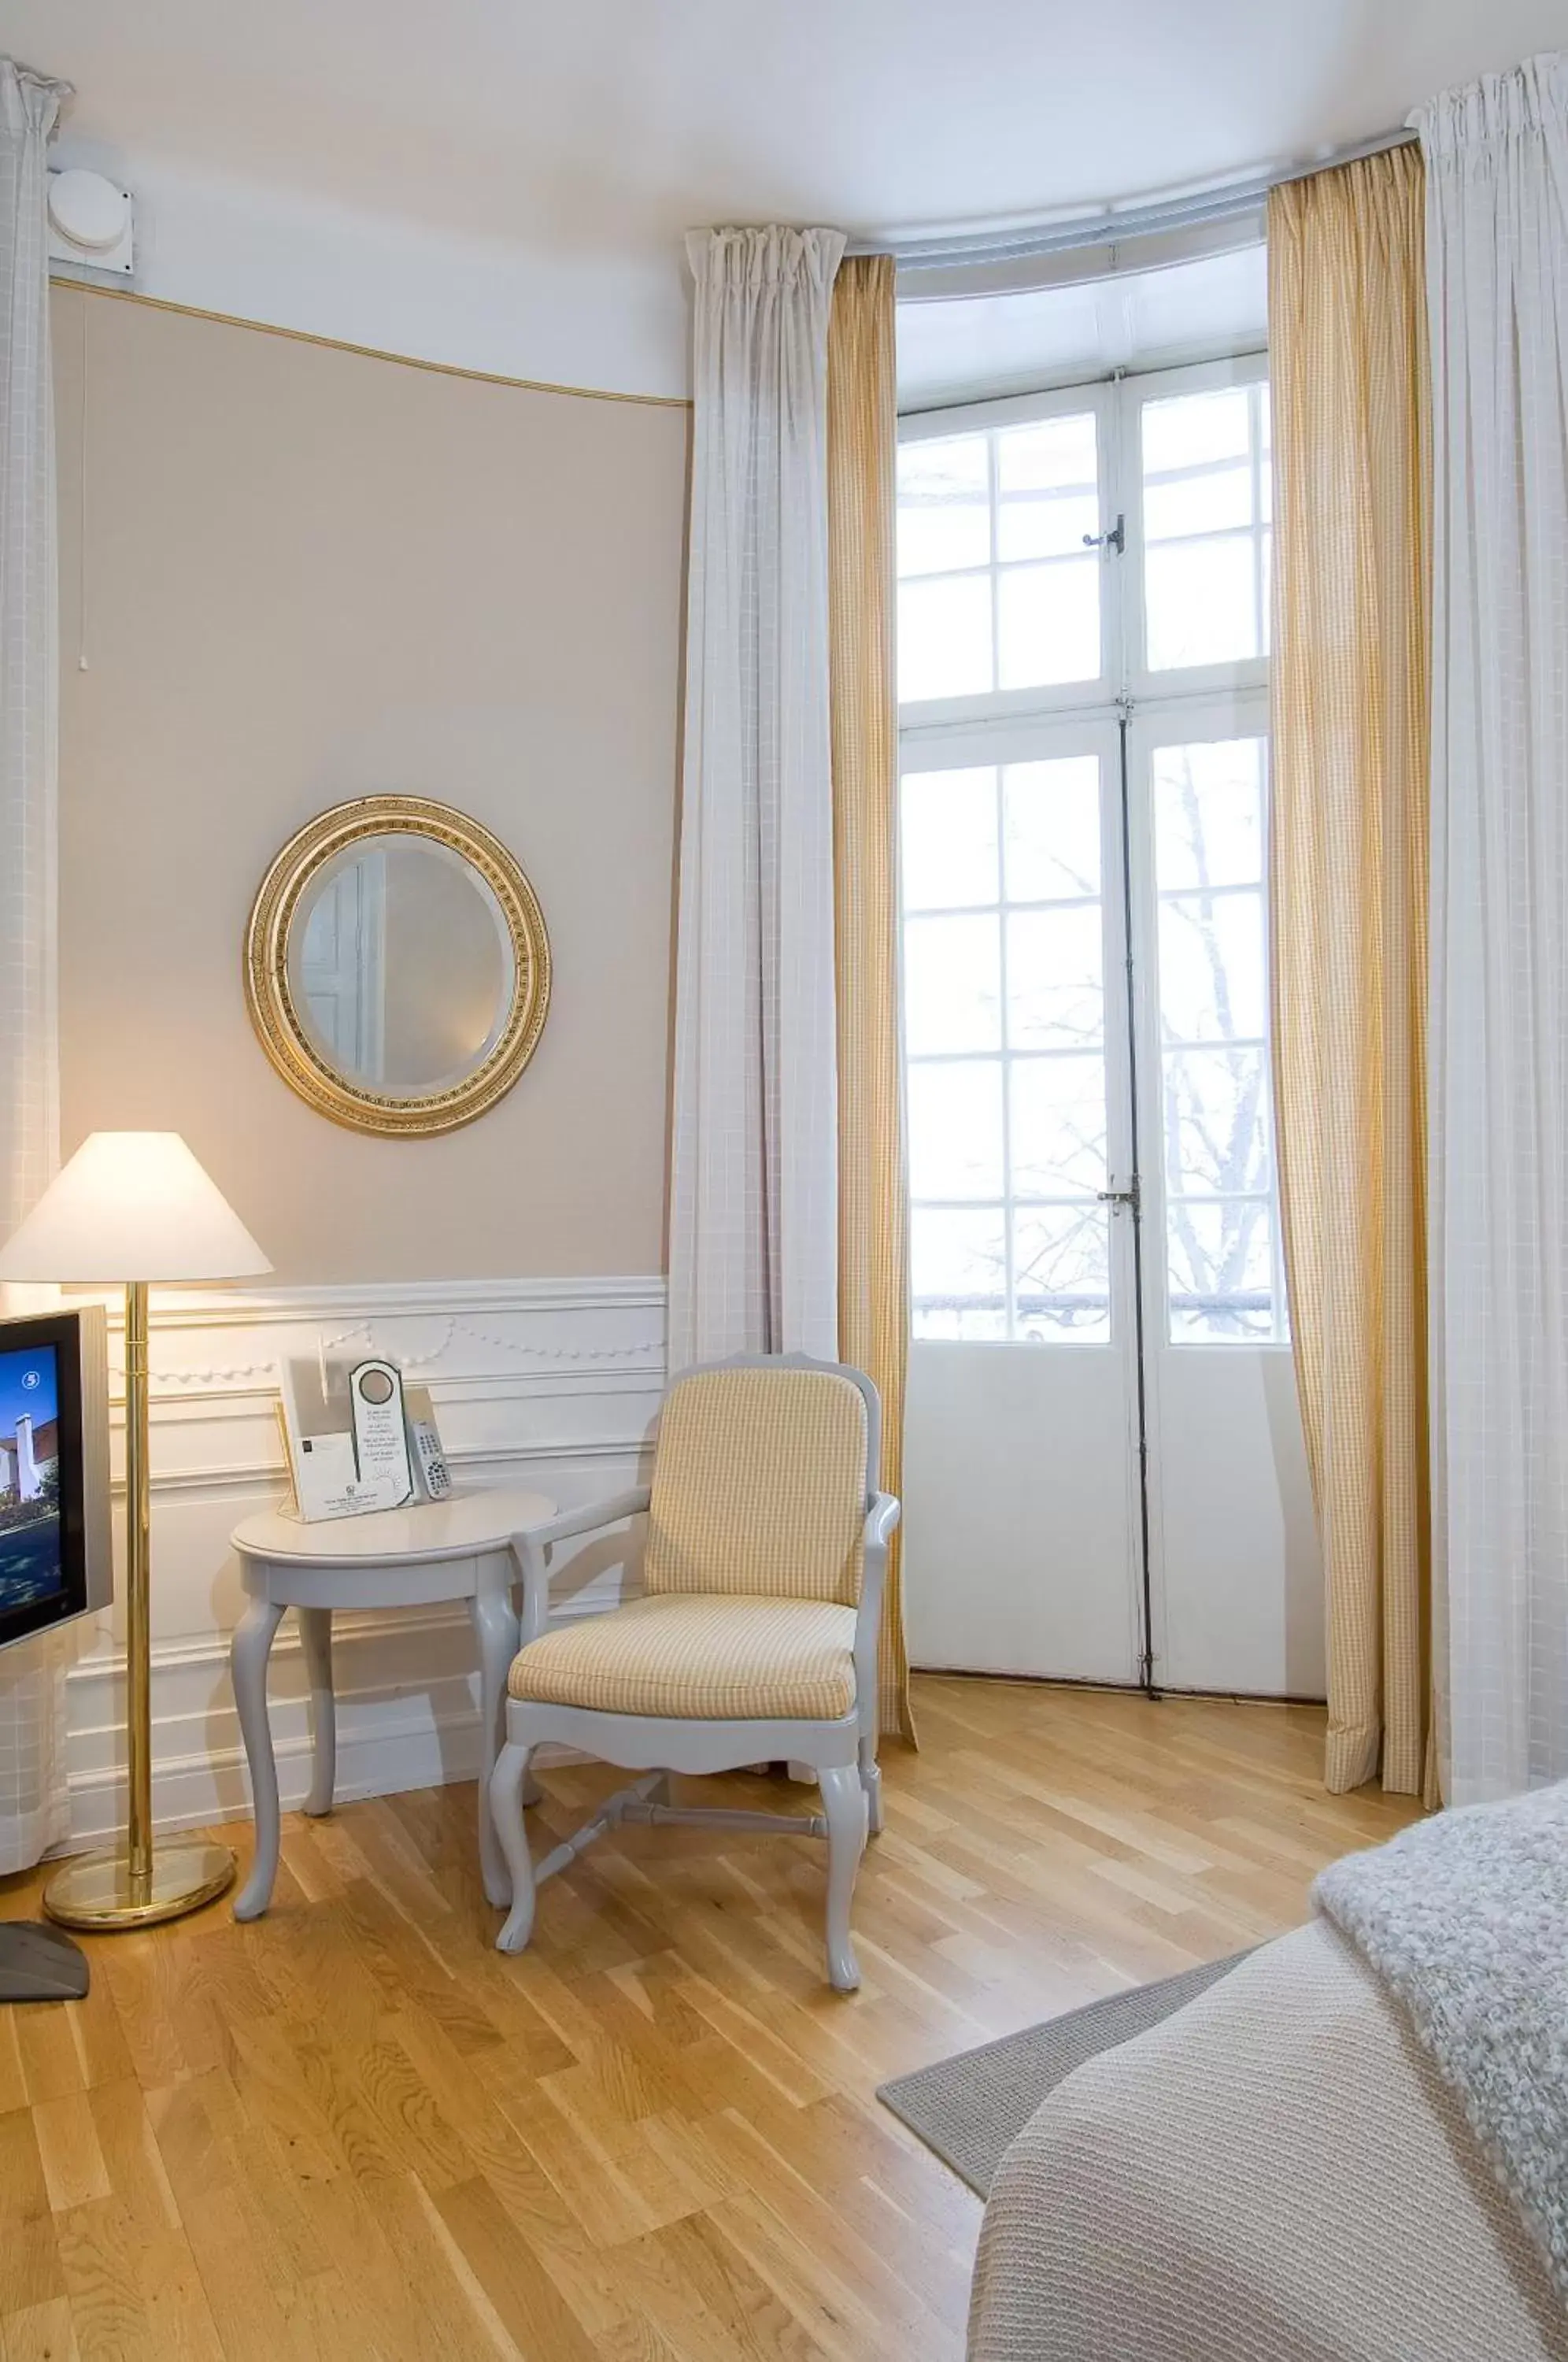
<point>698,1656</point>
<point>764,1562</point>
<point>759,1486</point>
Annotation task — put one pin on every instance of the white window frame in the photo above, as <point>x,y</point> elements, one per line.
<point>1117,405</point>
<point>1169,707</point>
<point>1187,722</point>
<point>1141,686</point>
<point>1042,739</point>
<point>1023,410</point>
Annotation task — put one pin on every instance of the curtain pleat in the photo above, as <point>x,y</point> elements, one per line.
<point>873,1248</point>
<point>1348,896</point>
<point>753,1218</point>
<point>1497,158</point>
<point>35,1804</point>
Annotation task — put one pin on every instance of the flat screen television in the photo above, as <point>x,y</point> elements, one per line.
<point>55,1551</point>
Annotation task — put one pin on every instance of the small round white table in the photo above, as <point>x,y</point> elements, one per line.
<point>462,1548</point>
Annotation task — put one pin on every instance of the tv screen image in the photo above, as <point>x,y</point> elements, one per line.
<point>55,1558</point>
<point>32,1566</point>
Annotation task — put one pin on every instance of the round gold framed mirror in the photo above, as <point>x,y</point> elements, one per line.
<point>396,965</point>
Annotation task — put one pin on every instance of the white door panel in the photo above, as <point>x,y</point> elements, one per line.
<point>1021,1540</point>
<point>1239,1595</point>
<point>1234,1564</point>
<point>1021,1513</point>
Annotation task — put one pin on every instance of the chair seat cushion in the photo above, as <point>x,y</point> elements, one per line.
<point>708,1656</point>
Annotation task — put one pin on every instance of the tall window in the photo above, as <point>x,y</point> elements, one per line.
<point>1069,565</point>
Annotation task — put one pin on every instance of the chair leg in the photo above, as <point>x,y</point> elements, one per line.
<point>843,1801</point>
<point>507,1783</point>
<point>871,1780</point>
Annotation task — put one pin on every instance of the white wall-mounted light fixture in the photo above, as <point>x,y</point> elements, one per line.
<point>89,224</point>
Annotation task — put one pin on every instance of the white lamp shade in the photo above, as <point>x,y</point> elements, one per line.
<point>132,1206</point>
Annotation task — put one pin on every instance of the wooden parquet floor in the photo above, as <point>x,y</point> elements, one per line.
<point>353,2130</point>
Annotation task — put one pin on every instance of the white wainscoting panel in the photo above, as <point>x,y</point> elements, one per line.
<point>551,1383</point>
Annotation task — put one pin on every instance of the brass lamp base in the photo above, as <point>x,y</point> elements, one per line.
<point>101,1890</point>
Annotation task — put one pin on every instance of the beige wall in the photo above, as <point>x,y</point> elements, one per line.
<point>290,575</point>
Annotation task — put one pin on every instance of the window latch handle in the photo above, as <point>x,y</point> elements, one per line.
<point>1115,539</point>
<point>1127,1196</point>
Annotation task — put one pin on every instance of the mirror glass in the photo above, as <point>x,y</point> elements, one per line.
<point>400,966</point>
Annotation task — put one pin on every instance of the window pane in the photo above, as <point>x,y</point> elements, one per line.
<point>1216,1116</point>
<point>949,838</point>
<point>1211,967</point>
<point>1204,512</point>
<point>1208,813</point>
<point>1221,1272</point>
<point>1057,1126</point>
<point>1207,502</point>
<point>1051,816</point>
<point>1193,430</point>
<point>956,1130</point>
<point>1055,992</point>
<point>944,505</point>
<point>952,985</point>
<point>1209,816</point>
<point>958,1272</point>
<point>944,636</point>
<point>1062,1274</point>
<point>1047,487</point>
<point>1048,624</point>
<point>1202,603</point>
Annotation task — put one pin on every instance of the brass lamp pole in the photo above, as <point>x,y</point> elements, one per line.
<point>130,1207</point>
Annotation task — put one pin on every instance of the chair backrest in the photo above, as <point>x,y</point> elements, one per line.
<point>762,1474</point>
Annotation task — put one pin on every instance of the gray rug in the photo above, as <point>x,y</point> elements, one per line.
<point>971,2108</point>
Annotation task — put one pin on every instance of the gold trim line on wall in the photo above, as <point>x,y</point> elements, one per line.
<point>270,987</point>
<point>370,352</point>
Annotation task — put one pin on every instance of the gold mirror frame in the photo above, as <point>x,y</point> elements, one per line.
<point>269,998</point>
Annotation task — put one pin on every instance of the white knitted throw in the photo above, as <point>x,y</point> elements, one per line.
<point>1465,1919</point>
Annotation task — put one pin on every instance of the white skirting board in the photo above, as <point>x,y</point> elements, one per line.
<point>552,1383</point>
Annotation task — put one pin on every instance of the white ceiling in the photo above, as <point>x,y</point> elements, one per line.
<point>597,132</point>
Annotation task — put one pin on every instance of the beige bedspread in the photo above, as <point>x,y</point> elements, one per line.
<point>1277,2174</point>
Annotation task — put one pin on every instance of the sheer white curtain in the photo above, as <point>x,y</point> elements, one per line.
<point>754,1212</point>
<point>1496,157</point>
<point>33,1801</point>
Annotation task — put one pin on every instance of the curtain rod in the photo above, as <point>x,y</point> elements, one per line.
<point>1112,224</point>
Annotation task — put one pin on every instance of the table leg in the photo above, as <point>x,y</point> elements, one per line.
<point>248,1660</point>
<point>316,1639</point>
<point>495,1630</point>
<point>533,1608</point>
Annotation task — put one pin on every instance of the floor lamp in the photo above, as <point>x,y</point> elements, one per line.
<point>130,1207</point>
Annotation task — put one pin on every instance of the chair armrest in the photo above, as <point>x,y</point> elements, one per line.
<point>882,1519</point>
<point>589,1517</point>
<point>532,1546</point>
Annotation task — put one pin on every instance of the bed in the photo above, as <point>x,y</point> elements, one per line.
<point>1275,2174</point>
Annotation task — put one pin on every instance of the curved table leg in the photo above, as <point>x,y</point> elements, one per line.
<point>495,1630</point>
<point>248,1660</point>
<point>316,1639</point>
<point>533,1620</point>
<point>503,1793</point>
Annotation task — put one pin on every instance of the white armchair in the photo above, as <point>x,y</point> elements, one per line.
<point>755,1639</point>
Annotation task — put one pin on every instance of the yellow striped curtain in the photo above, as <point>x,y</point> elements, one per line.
<point>873,1248</point>
<point>1348,347</point>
